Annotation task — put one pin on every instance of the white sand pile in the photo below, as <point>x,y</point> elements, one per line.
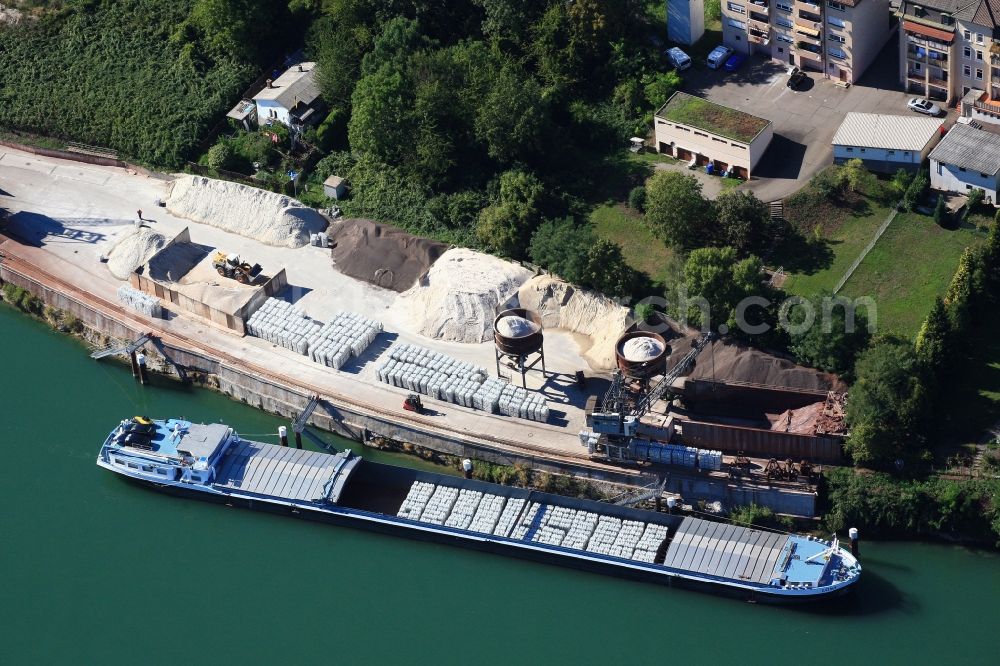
<point>133,251</point>
<point>516,327</point>
<point>264,216</point>
<point>639,350</point>
<point>457,298</point>
<point>561,305</point>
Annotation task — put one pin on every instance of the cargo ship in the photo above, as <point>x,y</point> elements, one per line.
<point>213,462</point>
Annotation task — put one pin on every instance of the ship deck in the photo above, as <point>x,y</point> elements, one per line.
<point>726,551</point>
<point>286,473</point>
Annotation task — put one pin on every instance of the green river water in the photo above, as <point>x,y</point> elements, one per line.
<point>96,571</point>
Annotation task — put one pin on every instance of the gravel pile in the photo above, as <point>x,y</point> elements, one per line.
<point>641,349</point>
<point>458,298</point>
<point>268,217</point>
<point>516,327</point>
<point>133,251</point>
<point>381,254</point>
<point>140,301</point>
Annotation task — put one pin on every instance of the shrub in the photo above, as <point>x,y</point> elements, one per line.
<point>940,213</point>
<point>976,196</point>
<point>915,190</point>
<point>637,198</point>
<point>220,156</point>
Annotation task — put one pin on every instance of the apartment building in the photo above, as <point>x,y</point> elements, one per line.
<point>948,48</point>
<point>838,39</point>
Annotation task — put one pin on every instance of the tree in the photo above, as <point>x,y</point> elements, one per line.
<point>637,198</point>
<point>744,222</point>
<point>717,276</point>
<point>676,210</point>
<point>512,118</point>
<point>934,344</point>
<point>915,190</point>
<point>220,156</point>
<point>562,246</point>
<point>660,86</point>
<point>506,226</point>
<point>607,271</point>
<point>940,213</point>
<point>832,342</point>
<point>858,177</point>
<point>886,412</point>
<point>380,124</point>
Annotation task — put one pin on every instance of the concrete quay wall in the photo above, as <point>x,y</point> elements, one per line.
<point>357,424</point>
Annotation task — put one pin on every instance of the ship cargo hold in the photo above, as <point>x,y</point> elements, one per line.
<point>213,462</point>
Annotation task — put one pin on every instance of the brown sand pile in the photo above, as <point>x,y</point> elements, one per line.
<point>800,421</point>
<point>175,261</point>
<point>727,362</point>
<point>380,254</point>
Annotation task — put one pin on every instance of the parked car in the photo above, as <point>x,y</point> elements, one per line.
<point>678,58</point>
<point>735,62</point>
<point>717,58</point>
<point>921,105</point>
<point>796,77</point>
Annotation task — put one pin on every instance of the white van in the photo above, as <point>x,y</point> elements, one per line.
<point>678,59</point>
<point>717,58</point>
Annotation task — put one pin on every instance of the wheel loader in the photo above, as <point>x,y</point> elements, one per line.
<point>231,266</point>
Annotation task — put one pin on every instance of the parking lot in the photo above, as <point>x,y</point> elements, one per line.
<point>806,119</point>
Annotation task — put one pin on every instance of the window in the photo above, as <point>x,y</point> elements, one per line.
<point>862,150</point>
<point>841,39</point>
<point>836,22</point>
<point>836,53</point>
<point>783,7</point>
<point>781,50</point>
<point>849,149</point>
<point>983,175</point>
<point>134,466</point>
<point>697,133</point>
<point>784,38</point>
<point>783,22</point>
<point>837,6</point>
<point>737,24</point>
<point>967,52</point>
<point>147,468</point>
<point>906,154</point>
<point>979,55</point>
<point>119,461</point>
<point>962,169</point>
<point>979,74</point>
<point>890,153</point>
<point>916,67</point>
<point>714,138</point>
<point>967,35</point>
<point>947,19</point>
<point>979,38</point>
<point>739,9</point>
<point>161,472</point>
<point>966,70</point>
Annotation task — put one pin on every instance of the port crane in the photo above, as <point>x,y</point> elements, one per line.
<point>619,415</point>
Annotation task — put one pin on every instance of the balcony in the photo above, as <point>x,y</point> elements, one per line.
<point>762,37</point>
<point>809,7</point>
<point>916,77</point>
<point>937,83</point>
<point>809,35</point>
<point>761,24</point>
<point>805,51</point>
<point>759,6</point>
<point>987,106</point>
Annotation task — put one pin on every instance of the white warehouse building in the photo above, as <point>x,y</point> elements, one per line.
<point>967,158</point>
<point>886,143</point>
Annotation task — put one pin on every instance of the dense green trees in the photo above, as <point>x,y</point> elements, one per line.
<point>574,253</point>
<point>888,406</point>
<point>717,278</point>
<point>744,223</point>
<point>677,211</point>
<point>837,334</point>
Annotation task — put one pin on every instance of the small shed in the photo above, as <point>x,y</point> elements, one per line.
<point>335,187</point>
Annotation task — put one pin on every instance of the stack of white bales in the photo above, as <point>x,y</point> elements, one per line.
<point>509,516</point>
<point>431,373</point>
<point>516,401</point>
<point>140,302</point>
<point>416,500</point>
<point>347,334</point>
<point>488,513</point>
<point>281,323</point>
<point>580,531</point>
<point>627,539</point>
<point>604,535</point>
<point>332,344</point>
<point>464,509</point>
<point>439,505</point>
<point>524,524</point>
<point>645,549</point>
<point>709,460</point>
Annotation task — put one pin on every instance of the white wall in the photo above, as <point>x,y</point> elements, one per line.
<point>948,178</point>
<point>876,154</point>
<point>685,20</point>
<point>265,107</point>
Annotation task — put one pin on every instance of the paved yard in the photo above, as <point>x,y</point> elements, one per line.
<point>804,120</point>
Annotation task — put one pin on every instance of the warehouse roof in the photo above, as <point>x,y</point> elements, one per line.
<point>874,130</point>
<point>711,117</point>
<point>969,148</point>
<point>297,84</point>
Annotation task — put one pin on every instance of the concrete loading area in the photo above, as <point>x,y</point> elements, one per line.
<point>61,241</point>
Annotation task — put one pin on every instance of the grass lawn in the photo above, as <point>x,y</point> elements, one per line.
<point>846,233</point>
<point>643,251</point>
<point>908,268</point>
<point>647,157</point>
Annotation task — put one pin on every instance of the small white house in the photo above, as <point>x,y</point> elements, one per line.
<point>886,143</point>
<point>292,98</point>
<point>967,157</point>
<point>335,187</point>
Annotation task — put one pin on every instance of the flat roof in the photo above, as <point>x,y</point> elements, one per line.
<point>875,130</point>
<point>711,117</point>
<point>297,84</point>
<point>969,148</point>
